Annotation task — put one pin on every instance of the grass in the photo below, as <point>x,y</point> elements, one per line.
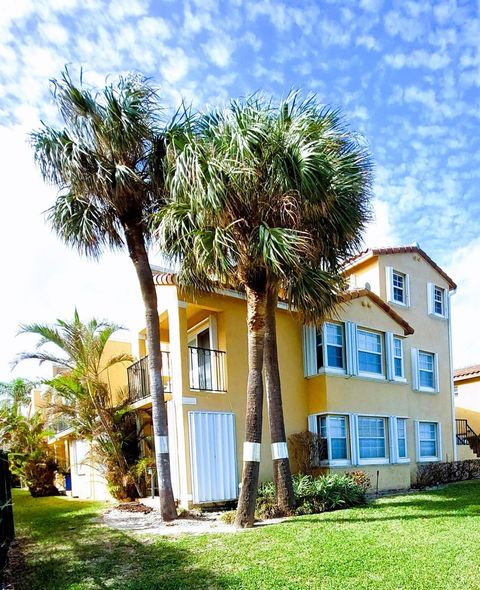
<point>416,541</point>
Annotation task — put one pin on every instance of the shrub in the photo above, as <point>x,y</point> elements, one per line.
<point>432,474</point>
<point>228,517</point>
<point>306,448</point>
<point>315,494</point>
<point>361,478</point>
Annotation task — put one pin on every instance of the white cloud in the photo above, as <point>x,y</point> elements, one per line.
<point>175,66</point>
<point>219,49</point>
<point>380,231</point>
<point>418,59</point>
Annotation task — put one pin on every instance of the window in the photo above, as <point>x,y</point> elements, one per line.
<point>402,438</point>
<point>369,352</point>
<point>371,438</point>
<point>426,370</point>
<point>334,333</point>
<point>428,440</point>
<point>397,287</point>
<point>398,358</point>
<point>333,431</point>
<point>438,303</point>
<point>332,354</point>
<point>398,284</point>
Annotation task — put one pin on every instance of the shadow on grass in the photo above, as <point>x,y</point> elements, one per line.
<point>118,561</point>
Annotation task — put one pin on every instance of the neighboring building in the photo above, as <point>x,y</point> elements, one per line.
<point>467,409</point>
<point>375,381</point>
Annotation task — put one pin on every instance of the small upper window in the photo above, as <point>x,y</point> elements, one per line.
<point>438,301</point>
<point>399,287</point>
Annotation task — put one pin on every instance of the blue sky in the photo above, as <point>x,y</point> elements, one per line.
<point>405,74</point>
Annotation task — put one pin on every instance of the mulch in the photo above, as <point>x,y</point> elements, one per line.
<point>133,507</point>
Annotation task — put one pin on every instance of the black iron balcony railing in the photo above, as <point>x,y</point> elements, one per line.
<point>139,382</point>
<point>467,436</point>
<point>207,369</point>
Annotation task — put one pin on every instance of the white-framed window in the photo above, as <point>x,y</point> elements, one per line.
<point>426,370</point>
<point>333,430</point>
<point>437,301</point>
<point>425,375</point>
<point>428,441</point>
<point>335,356</point>
<point>329,348</point>
<point>372,439</point>
<point>402,450</point>
<point>397,287</point>
<point>398,367</point>
<point>370,353</point>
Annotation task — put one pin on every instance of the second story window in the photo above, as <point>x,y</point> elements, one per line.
<point>426,369</point>
<point>438,301</point>
<point>398,358</point>
<point>370,354</point>
<point>334,338</point>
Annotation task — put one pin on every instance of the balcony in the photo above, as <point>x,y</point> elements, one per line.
<point>139,381</point>
<point>206,373</point>
<point>207,369</point>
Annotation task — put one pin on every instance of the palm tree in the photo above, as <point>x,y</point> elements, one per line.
<point>16,392</point>
<point>107,164</point>
<point>268,199</point>
<point>80,394</point>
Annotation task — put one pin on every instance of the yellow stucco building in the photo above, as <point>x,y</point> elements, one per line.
<point>467,409</point>
<point>375,381</point>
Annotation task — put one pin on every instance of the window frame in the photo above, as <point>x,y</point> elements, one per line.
<point>322,334</point>
<point>421,387</point>
<point>403,276</point>
<point>374,460</point>
<point>432,289</point>
<point>348,443</point>
<point>438,449</point>
<point>370,374</point>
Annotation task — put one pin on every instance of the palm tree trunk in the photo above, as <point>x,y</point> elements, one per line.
<point>138,253</point>
<point>281,465</point>
<point>256,308</point>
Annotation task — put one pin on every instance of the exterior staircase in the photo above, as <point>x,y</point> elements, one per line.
<point>467,437</point>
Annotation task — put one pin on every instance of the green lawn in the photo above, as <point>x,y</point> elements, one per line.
<point>417,541</point>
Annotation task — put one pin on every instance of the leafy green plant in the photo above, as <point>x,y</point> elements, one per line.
<point>315,494</point>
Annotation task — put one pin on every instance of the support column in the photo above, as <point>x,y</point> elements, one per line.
<point>178,432</point>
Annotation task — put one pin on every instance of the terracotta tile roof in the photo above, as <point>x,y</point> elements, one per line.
<point>369,252</point>
<point>466,372</point>
<point>161,277</point>
<point>355,294</point>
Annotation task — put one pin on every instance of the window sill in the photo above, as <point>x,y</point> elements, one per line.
<point>404,460</point>
<point>400,380</point>
<point>331,371</point>
<point>375,376</point>
<point>428,460</point>
<point>427,390</point>
<point>399,303</point>
<point>336,463</point>
<point>437,316</point>
<point>378,461</point>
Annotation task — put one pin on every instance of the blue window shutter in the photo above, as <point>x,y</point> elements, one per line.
<point>389,282</point>
<point>389,350</point>
<point>415,381</point>
<point>351,348</point>
<point>437,374</point>
<point>309,350</point>
<point>313,423</point>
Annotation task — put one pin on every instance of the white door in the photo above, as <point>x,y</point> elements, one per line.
<point>213,456</point>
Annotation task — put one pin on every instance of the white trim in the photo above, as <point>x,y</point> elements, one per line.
<point>189,401</point>
<point>309,351</point>
<point>438,442</point>
<point>452,384</point>
<point>374,460</point>
<point>279,450</point>
<point>351,356</point>
<point>312,423</point>
<point>251,451</point>
<point>369,374</point>
<point>161,444</point>
<point>389,283</point>
<point>415,379</point>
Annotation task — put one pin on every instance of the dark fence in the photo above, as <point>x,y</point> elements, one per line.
<point>139,382</point>
<point>207,369</point>
<point>6,512</point>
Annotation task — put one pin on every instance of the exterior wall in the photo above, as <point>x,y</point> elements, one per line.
<point>88,482</point>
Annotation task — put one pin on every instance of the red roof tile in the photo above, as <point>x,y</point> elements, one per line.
<point>466,372</point>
